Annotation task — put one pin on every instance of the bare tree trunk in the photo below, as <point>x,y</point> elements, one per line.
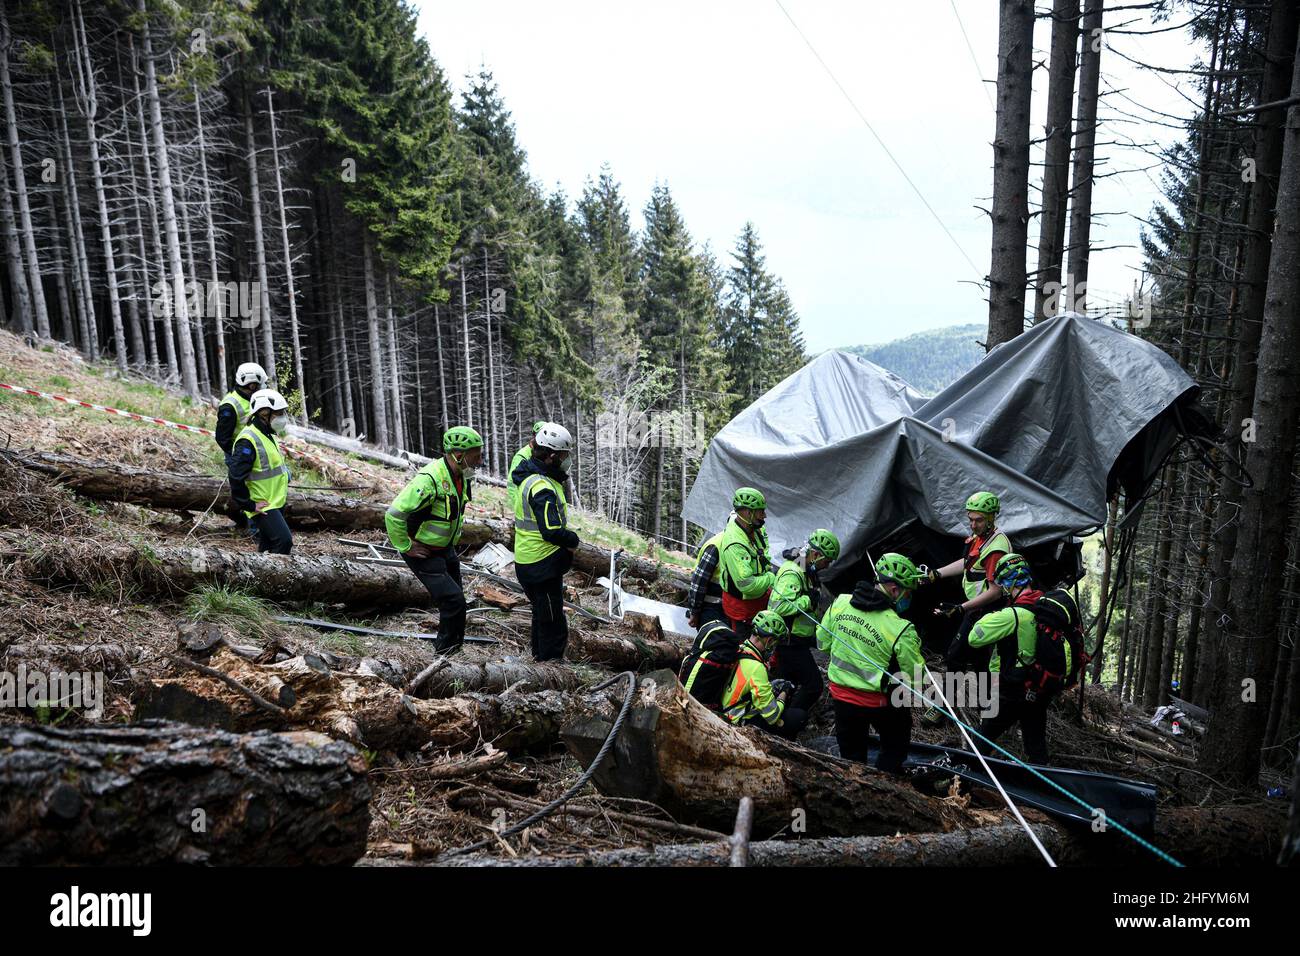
<point>259,243</point>
<point>60,276</point>
<point>214,298</point>
<point>189,379</point>
<point>469,379</point>
<point>89,329</point>
<point>36,290</point>
<point>1103,604</point>
<point>1085,136</point>
<point>294,340</point>
<point>442,376</point>
<point>1007,273</point>
<point>14,254</point>
<point>1056,160</point>
<point>394,369</point>
<point>146,285</point>
<point>377,392</point>
<point>88,101</point>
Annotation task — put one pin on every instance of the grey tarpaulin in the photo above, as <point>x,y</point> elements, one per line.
<point>1041,422</point>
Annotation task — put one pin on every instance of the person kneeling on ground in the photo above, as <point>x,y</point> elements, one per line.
<point>708,665</point>
<point>751,698</point>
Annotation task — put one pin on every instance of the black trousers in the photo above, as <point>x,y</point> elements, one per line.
<point>711,612</point>
<point>1032,717</point>
<point>440,575</point>
<point>793,720</point>
<point>853,726</point>
<point>794,662</point>
<point>272,532</point>
<point>543,582</point>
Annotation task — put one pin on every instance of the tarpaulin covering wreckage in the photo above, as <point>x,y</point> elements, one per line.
<point>1053,422</point>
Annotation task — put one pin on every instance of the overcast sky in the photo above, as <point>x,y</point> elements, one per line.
<point>724,101</point>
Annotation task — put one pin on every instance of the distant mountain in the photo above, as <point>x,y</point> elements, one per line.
<point>928,361</point>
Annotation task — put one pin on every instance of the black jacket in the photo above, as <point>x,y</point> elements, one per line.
<point>546,504</point>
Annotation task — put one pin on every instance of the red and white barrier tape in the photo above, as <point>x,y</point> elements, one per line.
<point>104,408</point>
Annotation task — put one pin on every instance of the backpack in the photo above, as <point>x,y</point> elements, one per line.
<point>711,682</point>
<point>1059,653</point>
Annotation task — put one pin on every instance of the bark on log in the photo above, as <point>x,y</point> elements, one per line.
<point>360,708</point>
<point>1002,845</point>
<point>675,753</point>
<point>108,481</point>
<point>134,796</point>
<point>623,651</point>
<point>169,569</point>
<point>493,677</point>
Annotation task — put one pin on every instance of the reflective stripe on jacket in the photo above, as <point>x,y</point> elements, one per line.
<point>530,546</point>
<point>269,479</point>
<point>743,564</point>
<point>749,694</point>
<point>975,580</point>
<point>429,509</point>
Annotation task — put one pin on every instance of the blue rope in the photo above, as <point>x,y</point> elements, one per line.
<point>1145,844</point>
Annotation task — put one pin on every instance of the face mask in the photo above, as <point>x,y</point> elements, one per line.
<point>279,423</point>
<point>903,602</point>
<point>562,466</point>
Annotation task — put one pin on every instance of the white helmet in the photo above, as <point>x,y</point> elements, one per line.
<point>555,437</point>
<point>266,398</point>
<point>250,372</point>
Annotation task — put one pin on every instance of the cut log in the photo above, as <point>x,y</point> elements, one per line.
<point>172,569</point>
<point>676,754</point>
<point>490,594</point>
<point>1002,845</point>
<point>360,708</point>
<point>105,481</point>
<point>108,481</point>
<point>161,793</point>
<point>624,652</point>
<point>492,677</point>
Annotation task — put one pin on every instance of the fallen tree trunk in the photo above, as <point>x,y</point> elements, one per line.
<point>161,793</point>
<point>493,677</point>
<point>623,651</point>
<point>360,708</point>
<point>1002,845</point>
<point>676,754</point>
<point>108,481</point>
<point>168,569</point>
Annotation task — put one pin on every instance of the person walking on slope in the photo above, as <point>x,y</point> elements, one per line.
<point>872,647</point>
<point>745,569</point>
<point>544,544</point>
<point>259,476</point>
<point>796,594</point>
<point>424,524</point>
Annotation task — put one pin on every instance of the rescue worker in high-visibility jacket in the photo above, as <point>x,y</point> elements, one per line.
<point>707,666</point>
<point>234,409</point>
<point>424,524</point>
<point>544,543</point>
<point>872,648</point>
<point>233,412</point>
<point>796,595</point>
<point>259,476</point>
<point>985,547</point>
<point>745,568</point>
<point>522,455</point>
<point>750,697</point>
<point>1012,633</point>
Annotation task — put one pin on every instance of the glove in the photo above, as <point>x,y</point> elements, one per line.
<point>948,610</point>
<point>418,550</point>
<point>780,686</point>
<point>931,575</point>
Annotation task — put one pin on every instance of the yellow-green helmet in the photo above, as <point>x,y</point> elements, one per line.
<point>899,569</point>
<point>770,624</point>
<point>461,438</point>
<point>825,542</point>
<point>750,498</point>
<point>985,502</point>
<point>537,426</point>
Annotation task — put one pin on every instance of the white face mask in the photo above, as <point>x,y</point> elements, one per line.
<point>563,464</point>
<point>279,423</point>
